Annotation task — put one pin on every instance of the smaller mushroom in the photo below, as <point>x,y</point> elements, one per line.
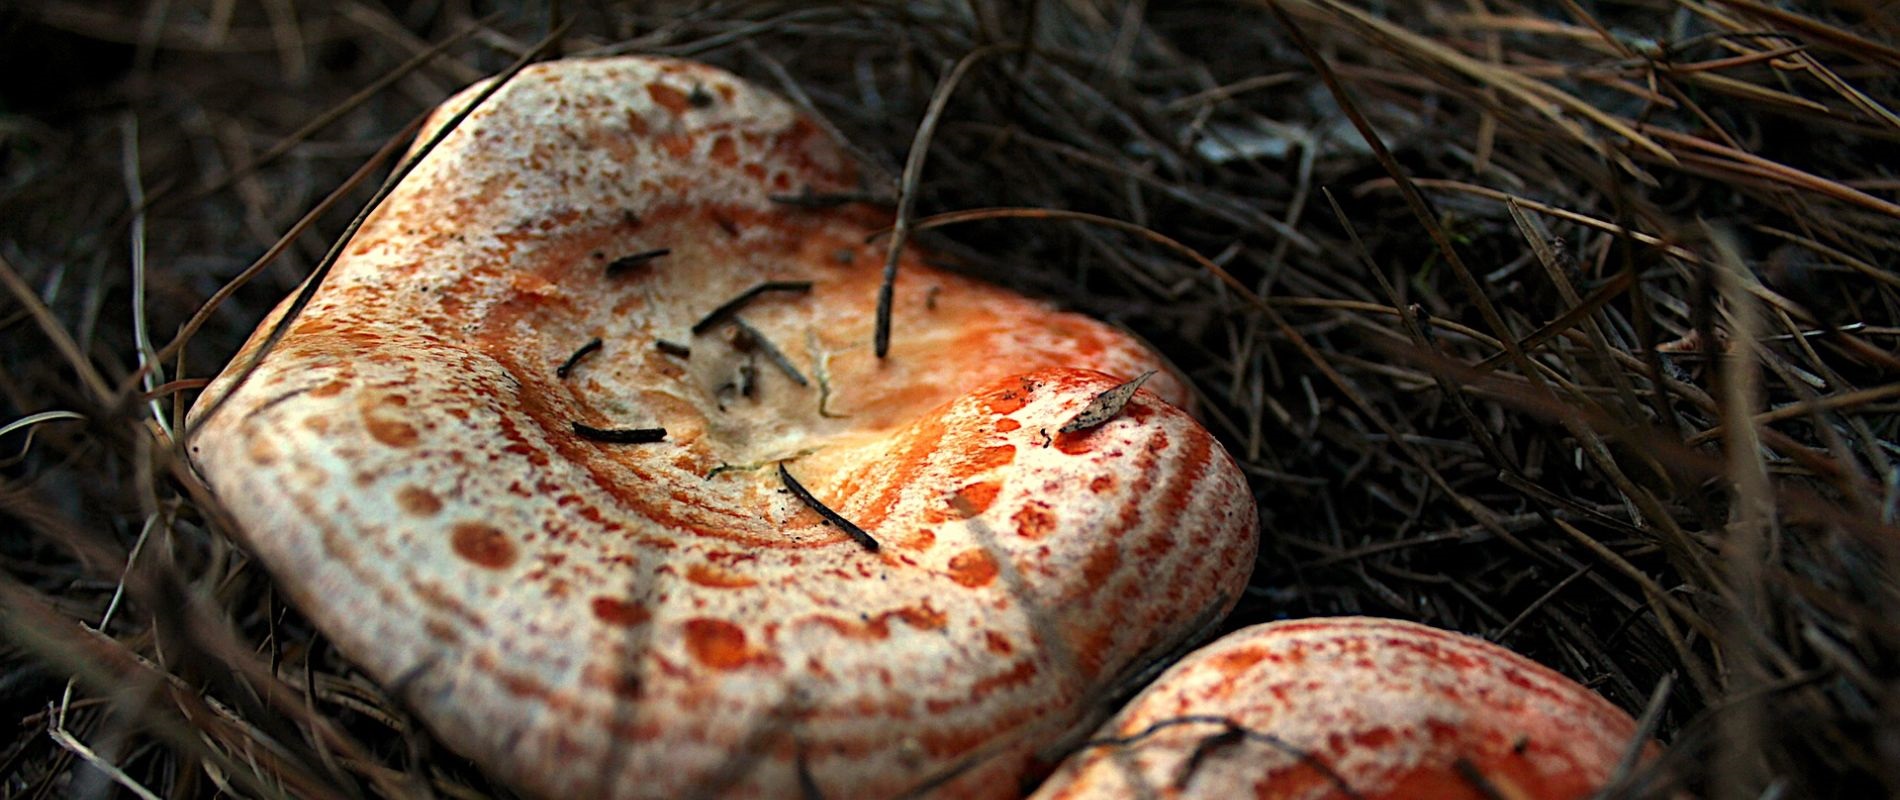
<point>1352,707</point>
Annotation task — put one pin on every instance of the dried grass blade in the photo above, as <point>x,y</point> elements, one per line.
<point>1599,341</point>
<point>1586,220</point>
<point>1542,97</point>
<point>1825,403</point>
<point>67,740</point>
<point>28,423</point>
<point>1758,93</point>
<point>907,188</point>
<point>1852,94</point>
<point>1749,538</point>
<point>1845,40</point>
<point>62,341</point>
<point>1858,265</point>
<point>1415,330</point>
<point>152,372</point>
<point>1745,163</point>
<point>104,664</point>
<point>1571,318</point>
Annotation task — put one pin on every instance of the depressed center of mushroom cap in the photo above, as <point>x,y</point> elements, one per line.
<point>955,335</point>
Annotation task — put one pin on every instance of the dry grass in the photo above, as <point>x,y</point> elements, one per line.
<point>1568,324</point>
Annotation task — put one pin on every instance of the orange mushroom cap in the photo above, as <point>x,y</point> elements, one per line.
<point>467,495</point>
<point>1352,707</point>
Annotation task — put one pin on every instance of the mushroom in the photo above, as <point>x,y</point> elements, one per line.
<point>1352,707</point>
<point>535,457</point>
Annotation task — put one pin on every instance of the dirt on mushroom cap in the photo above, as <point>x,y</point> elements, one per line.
<point>406,462</point>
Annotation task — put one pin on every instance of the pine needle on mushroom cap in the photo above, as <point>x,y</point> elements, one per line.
<point>1573,504</point>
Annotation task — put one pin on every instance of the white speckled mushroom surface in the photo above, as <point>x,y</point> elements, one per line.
<point>588,619</point>
<point>1392,710</point>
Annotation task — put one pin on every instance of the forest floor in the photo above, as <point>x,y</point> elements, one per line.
<point>1569,325</point>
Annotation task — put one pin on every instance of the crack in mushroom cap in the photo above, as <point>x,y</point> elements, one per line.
<point>628,620</point>
<point>1390,707</point>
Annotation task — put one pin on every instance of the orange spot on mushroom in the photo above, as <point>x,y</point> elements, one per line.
<point>847,628</point>
<point>1375,737</point>
<point>990,458</point>
<point>1102,483</point>
<point>972,568</point>
<point>922,539</point>
<point>724,151</point>
<point>1153,547</point>
<point>1076,443</point>
<point>1007,424</point>
<point>978,496</point>
<point>718,644</point>
<point>1238,661</point>
<point>1091,647</point>
<point>921,617</point>
<point>1006,401</point>
<point>261,451</point>
<point>622,683</point>
<point>1033,521</point>
<point>909,461</point>
<point>944,743</point>
<point>1020,673</point>
<point>308,326</point>
<point>520,685</point>
<point>669,98</point>
<point>1101,564</point>
<point>418,501</point>
<point>433,595</point>
<point>718,578</point>
<point>331,389</point>
<point>483,545</point>
<point>442,632</point>
<point>676,146</point>
<point>997,643</point>
<point>390,432</point>
<point>620,612</point>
